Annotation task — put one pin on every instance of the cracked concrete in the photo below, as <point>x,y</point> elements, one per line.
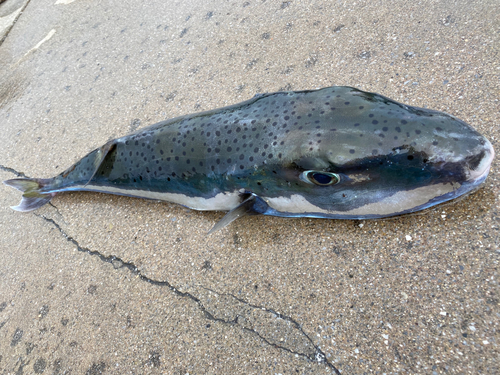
<point>271,327</point>
<point>95,283</point>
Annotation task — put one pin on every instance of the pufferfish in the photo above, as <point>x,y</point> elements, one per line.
<point>336,153</point>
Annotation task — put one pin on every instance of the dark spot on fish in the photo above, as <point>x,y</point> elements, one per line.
<point>361,107</point>
<point>250,158</point>
<point>256,149</point>
<point>398,129</point>
<point>418,131</point>
<point>371,115</point>
<point>385,128</point>
<point>438,129</point>
<point>410,157</point>
<point>218,161</point>
<point>404,122</point>
<point>374,122</point>
<point>435,143</point>
<point>270,156</point>
<point>351,151</point>
<point>356,124</point>
<point>229,160</point>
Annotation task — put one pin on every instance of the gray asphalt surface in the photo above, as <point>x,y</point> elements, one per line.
<point>96,283</point>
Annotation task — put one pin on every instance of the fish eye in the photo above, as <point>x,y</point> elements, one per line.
<point>320,178</point>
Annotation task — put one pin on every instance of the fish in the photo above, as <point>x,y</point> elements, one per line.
<point>335,153</point>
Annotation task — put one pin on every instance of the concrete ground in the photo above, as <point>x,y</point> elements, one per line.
<point>100,284</point>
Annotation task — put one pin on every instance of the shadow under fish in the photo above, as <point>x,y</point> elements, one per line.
<point>337,152</point>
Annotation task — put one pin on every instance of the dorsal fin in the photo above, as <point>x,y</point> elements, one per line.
<point>102,152</point>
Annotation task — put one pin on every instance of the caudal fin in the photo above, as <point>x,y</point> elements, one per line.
<point>32,197</point>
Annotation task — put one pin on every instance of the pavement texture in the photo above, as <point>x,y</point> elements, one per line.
<point>100,284</point>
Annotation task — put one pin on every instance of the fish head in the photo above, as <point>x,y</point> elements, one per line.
<point>412,159</point>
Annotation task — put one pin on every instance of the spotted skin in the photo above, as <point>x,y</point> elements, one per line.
<point>389,158</point>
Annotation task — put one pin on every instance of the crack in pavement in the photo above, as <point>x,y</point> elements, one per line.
<point>12,170</point>
<point>270,320</point>
<point>317,355</point>
<point>244,321</point>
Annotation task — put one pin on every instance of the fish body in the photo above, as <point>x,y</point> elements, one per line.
<point>337,152</point>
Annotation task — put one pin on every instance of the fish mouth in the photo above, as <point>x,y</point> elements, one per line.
<point>479,166</point>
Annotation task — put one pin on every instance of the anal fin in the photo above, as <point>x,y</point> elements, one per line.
<point>252,205</point>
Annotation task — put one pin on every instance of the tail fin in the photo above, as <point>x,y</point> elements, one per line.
<point>32,197</point>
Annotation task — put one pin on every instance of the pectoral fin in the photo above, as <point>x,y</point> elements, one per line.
<point>252,205</point>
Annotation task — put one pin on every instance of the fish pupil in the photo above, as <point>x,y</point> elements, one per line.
<point>322,178</point>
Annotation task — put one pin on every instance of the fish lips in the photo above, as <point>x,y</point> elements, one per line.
<point>479,165</point>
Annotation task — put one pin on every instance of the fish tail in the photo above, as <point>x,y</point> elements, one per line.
<point>33,198</point>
